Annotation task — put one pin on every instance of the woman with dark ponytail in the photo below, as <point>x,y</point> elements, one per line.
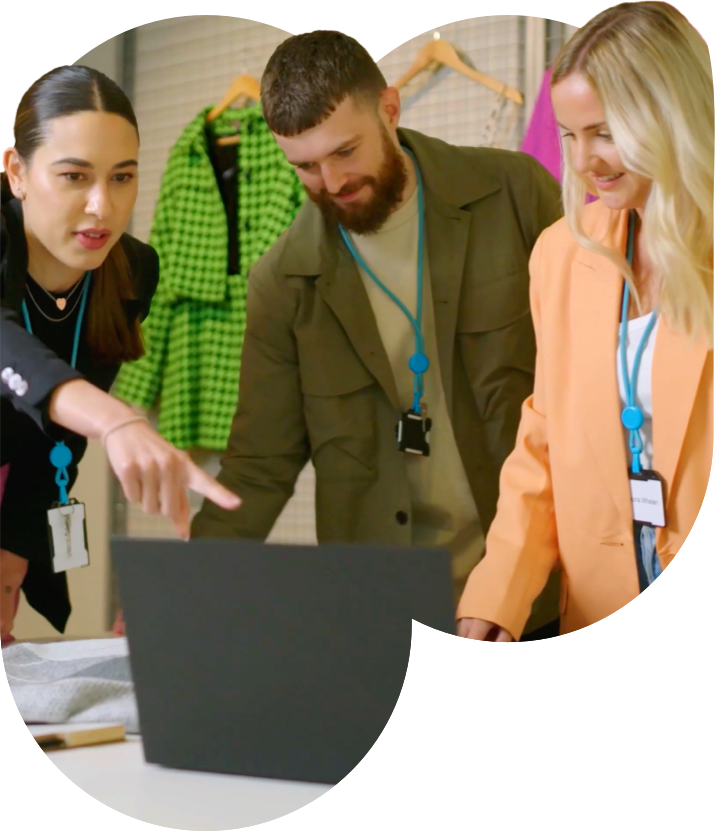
<point>74,290</point>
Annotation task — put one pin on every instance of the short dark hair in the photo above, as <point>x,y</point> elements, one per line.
<point>65,91</point>
<point>310,75</point>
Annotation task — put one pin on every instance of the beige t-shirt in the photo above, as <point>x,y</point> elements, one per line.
<point>442,501</point>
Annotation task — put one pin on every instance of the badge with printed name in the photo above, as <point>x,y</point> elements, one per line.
<point>68,536</point>
<point>648,498</point>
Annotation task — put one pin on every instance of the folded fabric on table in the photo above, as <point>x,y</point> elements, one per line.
<point>73,681</point>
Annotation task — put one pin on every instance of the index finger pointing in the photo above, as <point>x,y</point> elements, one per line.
<point>200,482</point>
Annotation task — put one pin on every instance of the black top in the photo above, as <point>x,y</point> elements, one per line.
<point>224,159</point>
<point>43,362</point>
<point>58,332</point>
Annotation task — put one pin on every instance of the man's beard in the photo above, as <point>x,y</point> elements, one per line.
<point>387,189</point>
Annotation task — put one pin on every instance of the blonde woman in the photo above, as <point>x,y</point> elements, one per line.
<point>614,450</point>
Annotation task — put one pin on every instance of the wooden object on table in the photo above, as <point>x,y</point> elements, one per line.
<point>62,736</point>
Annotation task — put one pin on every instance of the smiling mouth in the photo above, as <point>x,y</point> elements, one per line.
<point>348,197</point>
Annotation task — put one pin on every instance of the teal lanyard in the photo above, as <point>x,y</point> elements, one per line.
<point>632,415</point>
<point>419,362</point>
<point>61,455</point>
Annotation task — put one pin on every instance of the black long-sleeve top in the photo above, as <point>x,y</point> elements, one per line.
<point>42,360</point>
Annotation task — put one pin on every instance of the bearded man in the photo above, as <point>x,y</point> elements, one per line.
<point>389,336</point>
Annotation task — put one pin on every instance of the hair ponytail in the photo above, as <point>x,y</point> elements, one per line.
<point>6,193</point>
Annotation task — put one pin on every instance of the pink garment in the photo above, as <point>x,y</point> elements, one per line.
<point>542,139</point>
<point>4,470</point>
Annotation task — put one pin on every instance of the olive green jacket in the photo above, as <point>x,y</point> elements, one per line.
<point>316,382</point>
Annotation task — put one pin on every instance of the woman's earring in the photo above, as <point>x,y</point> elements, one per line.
<point>22,195</point>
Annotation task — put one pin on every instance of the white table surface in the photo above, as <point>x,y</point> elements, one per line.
<point>117,775</point>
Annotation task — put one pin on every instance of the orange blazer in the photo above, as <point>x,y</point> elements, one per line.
<point>564,492</point>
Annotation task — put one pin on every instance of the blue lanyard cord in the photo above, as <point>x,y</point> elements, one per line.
<point>632,415</point>
<point>61,455</point>
<point>419,363</point>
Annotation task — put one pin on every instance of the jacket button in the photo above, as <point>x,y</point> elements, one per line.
<point>402,517</point>
<point>15,382</point>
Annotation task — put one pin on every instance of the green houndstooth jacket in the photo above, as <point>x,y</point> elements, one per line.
<point>194,333</point>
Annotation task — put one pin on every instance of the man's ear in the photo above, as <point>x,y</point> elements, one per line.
<point>390,107</point>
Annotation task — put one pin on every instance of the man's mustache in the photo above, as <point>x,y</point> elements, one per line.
<point>346,190</point>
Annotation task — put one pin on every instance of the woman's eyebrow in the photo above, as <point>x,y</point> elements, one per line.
<point>589,127</point>
<point>83,163</point>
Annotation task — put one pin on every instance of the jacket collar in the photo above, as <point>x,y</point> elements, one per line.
<point>447,189</point>
<point>443,171</point>
<point>607,227</point>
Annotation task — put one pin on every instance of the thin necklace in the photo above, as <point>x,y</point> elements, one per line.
<point>60,302</point>
<point>46,316</point>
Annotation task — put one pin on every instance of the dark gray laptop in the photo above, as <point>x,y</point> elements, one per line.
<point>271,660</point>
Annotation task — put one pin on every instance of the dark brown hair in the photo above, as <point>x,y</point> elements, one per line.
<point>309,75</point>
<point>61,92</point>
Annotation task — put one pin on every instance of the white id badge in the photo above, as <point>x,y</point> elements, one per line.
<point>68,536</point>
<point>648,498</point>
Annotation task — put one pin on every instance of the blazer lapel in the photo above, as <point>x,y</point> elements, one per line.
<point>449,185</point>
<point>341,287</point>
<point>597,288</point>
<point>447,232</point>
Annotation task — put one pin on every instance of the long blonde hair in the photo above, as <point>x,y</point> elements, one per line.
<point>652,71</point>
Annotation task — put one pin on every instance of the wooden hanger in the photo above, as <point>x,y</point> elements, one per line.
<point>244,86</point>
<point>441,52</point>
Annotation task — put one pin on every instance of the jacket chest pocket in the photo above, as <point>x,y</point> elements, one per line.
<point>496,338</point>
<point>339,402</point>
<point>494,304</point>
